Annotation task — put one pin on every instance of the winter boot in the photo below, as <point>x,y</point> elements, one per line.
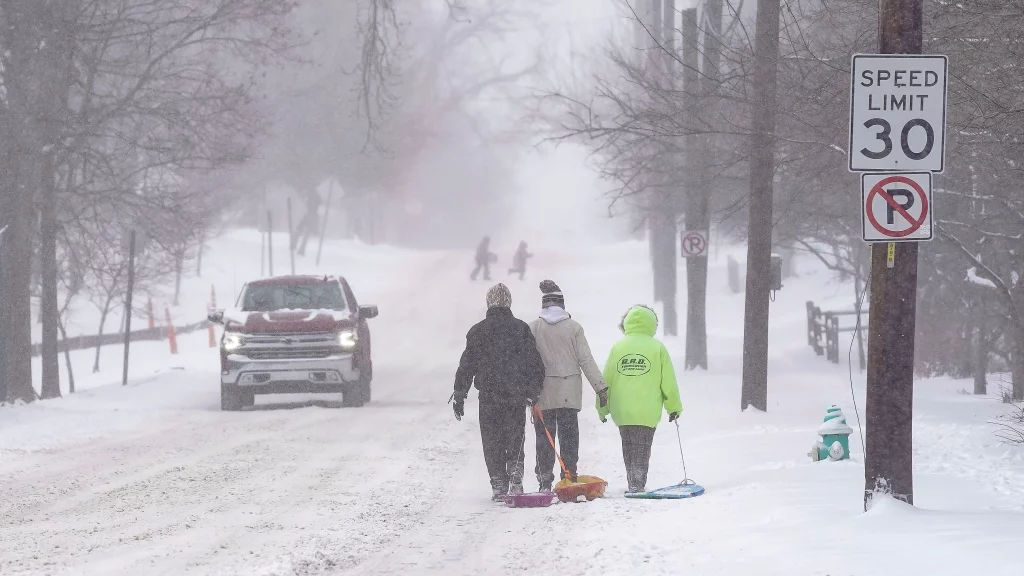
<point>545,487</point>
<point>515,488</point>
<point>499,488</point>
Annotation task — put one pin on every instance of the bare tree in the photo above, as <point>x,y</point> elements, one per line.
<point>110,103</point>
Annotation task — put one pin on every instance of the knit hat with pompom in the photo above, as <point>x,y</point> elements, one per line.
<point>552,295</point>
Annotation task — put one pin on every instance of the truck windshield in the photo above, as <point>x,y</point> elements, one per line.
<point>313,296</point>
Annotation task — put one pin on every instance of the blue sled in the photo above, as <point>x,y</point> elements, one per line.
<point>685,489</point>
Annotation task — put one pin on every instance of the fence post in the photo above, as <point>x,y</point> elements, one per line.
<point>810,324</point>
<point>832,337</point>
<point>819,331</point>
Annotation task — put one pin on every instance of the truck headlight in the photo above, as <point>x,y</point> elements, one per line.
<point>347,339</point>
<point>232,341</point>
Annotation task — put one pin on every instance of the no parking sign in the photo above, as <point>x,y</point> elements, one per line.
<point>897,207</point>
<point>694,243</point>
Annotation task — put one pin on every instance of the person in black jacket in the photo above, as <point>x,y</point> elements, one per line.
<point>501,359</point>
<point>484,257</point>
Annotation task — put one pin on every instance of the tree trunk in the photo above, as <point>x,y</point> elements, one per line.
<point>99,336</point>
<point>759,235</point>
<point>36,73</point>
<point>67,356</point>
<point>199,255</point>
<point>48,307</point>
<point>179,263</point>
<point>16,303</point>
<point>980,351</point>
<point>698,215</point>
<point>1017,363</point>
<point>670,193</point>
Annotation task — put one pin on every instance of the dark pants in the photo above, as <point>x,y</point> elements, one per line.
<point>485,266</point>
<point>563,423</point>
<point>636,454</point>
<point>503,431</point>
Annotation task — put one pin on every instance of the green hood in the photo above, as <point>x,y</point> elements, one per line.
<point>640,320</point>
<point>639,373</point>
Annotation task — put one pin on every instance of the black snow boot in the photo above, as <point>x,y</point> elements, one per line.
<point>499,488</point>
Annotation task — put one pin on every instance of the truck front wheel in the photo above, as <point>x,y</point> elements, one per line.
<point>230,399</point>
<point>359,394</point>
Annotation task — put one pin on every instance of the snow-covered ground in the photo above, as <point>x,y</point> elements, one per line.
<point>153,478</point>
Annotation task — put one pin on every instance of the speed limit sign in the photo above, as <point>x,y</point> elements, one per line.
<point>898,113</point>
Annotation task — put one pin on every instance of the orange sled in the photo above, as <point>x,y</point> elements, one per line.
<point>585,488</point>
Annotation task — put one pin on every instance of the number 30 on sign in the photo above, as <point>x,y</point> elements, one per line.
<point>898,113</point>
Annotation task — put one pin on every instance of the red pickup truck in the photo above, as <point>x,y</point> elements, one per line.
<point>295,334</point>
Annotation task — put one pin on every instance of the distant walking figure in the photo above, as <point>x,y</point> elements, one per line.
<point>484,257</point>
<point>519,261</point>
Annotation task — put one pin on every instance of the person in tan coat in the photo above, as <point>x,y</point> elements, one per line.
<point>567,358</point>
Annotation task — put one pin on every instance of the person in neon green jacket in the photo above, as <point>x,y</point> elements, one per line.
<point>641,381</point>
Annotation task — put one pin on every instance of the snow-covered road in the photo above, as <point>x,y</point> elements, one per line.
<point>153,478</point>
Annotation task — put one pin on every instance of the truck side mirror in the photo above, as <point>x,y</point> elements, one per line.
<point>215,316</point>
<point>368,312</point>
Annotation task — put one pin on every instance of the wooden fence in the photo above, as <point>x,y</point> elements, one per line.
<point>88,341</point>
<point>823,331</point>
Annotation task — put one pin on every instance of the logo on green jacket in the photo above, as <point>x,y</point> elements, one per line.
<point>634,365</point>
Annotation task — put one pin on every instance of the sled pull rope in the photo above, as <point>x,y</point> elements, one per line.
<point>686,477</point>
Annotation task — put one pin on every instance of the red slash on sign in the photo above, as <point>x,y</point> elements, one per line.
<point>916,194</point>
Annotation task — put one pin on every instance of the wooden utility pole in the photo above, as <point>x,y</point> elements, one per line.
<point>3,374</point>
<point>270,243</point>
<point>128,307</point>
<point>889,456</point>
<point>759,232</point>
<point>323,225</point>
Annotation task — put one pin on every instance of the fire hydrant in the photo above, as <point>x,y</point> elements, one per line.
<point>835,437</point>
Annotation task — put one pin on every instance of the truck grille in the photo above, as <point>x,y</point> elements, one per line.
<point>288,353</point>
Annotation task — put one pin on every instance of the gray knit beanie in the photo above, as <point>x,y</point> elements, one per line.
<point>499,297</point>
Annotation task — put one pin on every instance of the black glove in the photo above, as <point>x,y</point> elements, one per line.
<point>672,417</point>
<point>603,396</point>
<point>458,405</point>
